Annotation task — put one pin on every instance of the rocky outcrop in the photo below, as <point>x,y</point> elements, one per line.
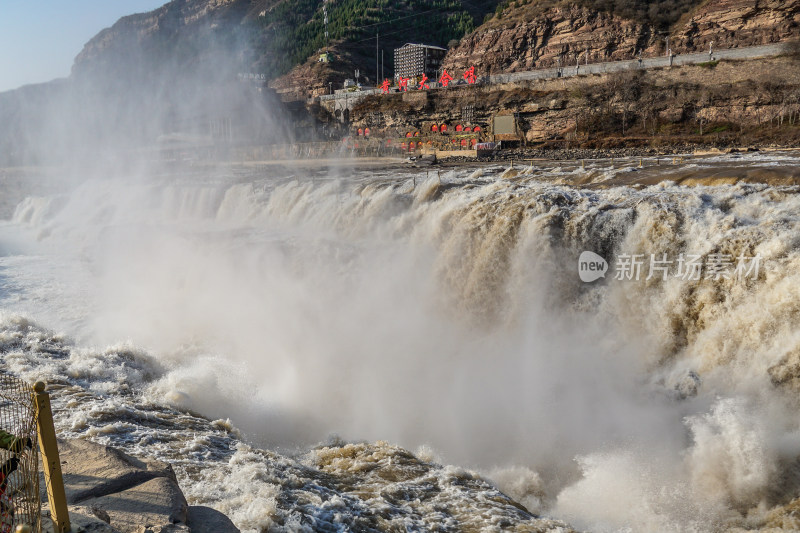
<point>735,23</point>
<point>218,38</point>
<point>563,33</point>
<point>568,32</point>
<point>750,102</point>
<point>109,491</point>
<point>179,30</point>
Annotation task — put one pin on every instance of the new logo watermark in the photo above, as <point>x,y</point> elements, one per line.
<point>688,267</point>
<point>591,267</point>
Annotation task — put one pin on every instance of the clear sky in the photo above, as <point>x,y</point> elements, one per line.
<point>40,39</point>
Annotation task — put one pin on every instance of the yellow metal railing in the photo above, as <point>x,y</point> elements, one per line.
<point>53,478</point>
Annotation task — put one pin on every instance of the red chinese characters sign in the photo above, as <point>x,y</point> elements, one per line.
<point>445,79</point>
<point>422,84</point>
<point>469,75</point>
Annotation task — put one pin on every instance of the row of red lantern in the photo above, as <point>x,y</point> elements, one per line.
<point>411,146</point>
<point>416,145</point>
<point>436,128</point>
<point>459,128</point>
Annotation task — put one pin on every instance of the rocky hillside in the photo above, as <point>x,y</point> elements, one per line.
<point>728,103</point>
<point>527,35</point>
<point>561,32</point>
<point>734,23</point>
<point>203,36</point>
<point>218,37</point>
<point>213,40</point>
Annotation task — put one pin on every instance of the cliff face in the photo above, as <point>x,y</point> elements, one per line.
<point>735,23</point>
<point>523,40</point>
<point>563,31</point>
<point>217,38</point>
<point>183,35</point>
<point>170,71</point>
<point>726,103</point>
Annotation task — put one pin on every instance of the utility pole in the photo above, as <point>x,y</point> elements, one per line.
<point>377,71</point>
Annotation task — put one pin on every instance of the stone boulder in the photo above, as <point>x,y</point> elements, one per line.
<point>109,491</point>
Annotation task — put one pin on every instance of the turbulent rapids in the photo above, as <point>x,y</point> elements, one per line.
<point>284,336</point>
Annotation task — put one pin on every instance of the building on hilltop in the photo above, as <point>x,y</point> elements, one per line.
<point>412,60</point>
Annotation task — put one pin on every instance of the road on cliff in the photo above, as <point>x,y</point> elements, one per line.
<point>346,100</point>
<point>749,52</point>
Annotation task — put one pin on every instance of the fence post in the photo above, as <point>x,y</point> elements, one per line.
<point>53,479</point>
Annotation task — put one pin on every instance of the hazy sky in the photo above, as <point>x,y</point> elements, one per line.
<point>39,40</point>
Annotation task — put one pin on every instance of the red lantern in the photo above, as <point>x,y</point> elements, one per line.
<point>459,128</point>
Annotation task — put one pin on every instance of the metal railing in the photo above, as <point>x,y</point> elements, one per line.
<point>580,69</point>
<point>19,462</point>
<point>53,479</point>
<point>26,418</point>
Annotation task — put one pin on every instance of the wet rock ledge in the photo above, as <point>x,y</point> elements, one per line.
<point>109,491</point>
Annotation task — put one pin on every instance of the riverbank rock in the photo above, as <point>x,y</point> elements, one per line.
<point>109,491</point>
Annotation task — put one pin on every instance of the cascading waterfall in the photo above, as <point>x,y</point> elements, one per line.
<point>444,315</point>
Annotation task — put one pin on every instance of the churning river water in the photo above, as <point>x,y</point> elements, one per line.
<point>402,350</point>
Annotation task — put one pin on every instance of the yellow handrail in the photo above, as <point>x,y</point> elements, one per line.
<point>50,459</point>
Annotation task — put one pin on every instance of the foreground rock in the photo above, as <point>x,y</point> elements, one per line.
<point>109,491</point>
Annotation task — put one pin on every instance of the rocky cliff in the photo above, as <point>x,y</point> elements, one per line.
<point>722,103</point>
<point>734,23</point>
<point>527,37</point>
<point>205,35</point>
<point>563,33</point>
<point>215,39</point>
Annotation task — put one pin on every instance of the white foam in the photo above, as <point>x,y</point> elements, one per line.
<point>449,317</point>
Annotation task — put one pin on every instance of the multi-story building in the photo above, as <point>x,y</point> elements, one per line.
<point>412,60</point>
